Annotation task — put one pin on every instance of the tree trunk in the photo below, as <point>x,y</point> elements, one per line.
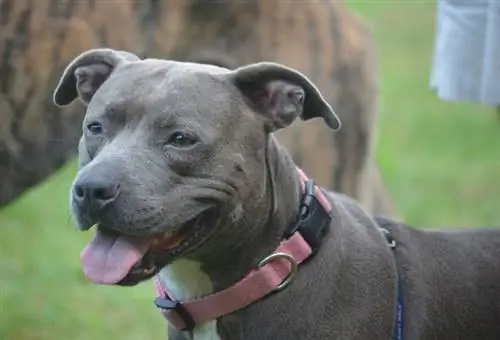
<point>324,40</point>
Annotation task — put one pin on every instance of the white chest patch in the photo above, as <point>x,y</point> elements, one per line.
<point>185,280</point>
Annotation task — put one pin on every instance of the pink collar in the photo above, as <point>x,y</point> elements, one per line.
<point>272,274</point>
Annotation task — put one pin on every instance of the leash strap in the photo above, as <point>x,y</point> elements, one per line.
<point>400,311</point>
<point>399,328</point>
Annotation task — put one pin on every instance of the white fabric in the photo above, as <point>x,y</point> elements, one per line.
<point>466,65</point>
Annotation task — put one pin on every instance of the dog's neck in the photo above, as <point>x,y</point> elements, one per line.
<point>260,228</point>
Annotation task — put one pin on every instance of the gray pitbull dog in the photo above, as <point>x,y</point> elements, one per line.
<point>181,174</point>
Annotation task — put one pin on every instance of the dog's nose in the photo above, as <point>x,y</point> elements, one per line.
<point>95,192</point>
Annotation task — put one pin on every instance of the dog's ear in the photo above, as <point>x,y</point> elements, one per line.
<point>282,94</point>
<point>87,72</point>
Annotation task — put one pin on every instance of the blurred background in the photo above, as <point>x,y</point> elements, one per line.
<point>439,161</point>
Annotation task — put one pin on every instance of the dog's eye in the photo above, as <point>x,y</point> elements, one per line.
<point>94,128</point>
<point>180,139</point>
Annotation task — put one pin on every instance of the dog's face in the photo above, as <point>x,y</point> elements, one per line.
<point>170,151</point>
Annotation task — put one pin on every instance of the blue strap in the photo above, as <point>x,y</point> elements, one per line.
<point>400,313</point>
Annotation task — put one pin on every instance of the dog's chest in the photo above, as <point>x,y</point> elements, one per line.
<point>185,280</point>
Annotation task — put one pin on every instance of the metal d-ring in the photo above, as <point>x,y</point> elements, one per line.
<point>390,240</point>
<point>293,270</point>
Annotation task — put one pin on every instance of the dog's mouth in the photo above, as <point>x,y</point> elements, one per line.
<point>115,258</point>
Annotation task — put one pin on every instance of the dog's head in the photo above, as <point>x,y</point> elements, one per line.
<point>169,149</point>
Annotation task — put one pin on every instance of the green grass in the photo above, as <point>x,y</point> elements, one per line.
<point>441,162</point>
<point>43,293</point>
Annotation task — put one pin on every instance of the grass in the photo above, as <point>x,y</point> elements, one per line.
<point>441,162</point>
<point>44,294</point>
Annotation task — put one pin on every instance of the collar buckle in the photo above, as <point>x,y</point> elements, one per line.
<point>178,308</point>
<point>313,220</point>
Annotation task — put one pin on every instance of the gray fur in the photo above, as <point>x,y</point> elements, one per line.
<point>451,280</point>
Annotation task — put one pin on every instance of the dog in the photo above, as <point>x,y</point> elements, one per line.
<point>181,174</point>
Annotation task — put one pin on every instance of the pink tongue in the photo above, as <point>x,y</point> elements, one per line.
<point>108,258</point>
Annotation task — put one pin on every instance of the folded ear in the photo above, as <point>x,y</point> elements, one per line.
<point>282,94</point>
<point>87,72</point>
